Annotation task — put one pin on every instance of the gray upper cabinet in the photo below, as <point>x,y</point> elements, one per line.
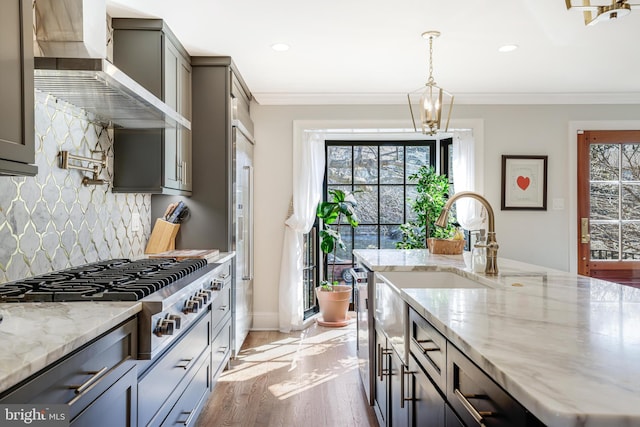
<point>17,147</point>
<point>153,160</point>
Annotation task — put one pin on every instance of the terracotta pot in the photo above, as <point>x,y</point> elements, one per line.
<point>334,305</point>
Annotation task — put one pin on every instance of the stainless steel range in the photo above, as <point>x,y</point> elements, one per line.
<point>173,294</point>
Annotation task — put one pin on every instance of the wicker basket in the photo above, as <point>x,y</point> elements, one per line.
<point>445,246</point>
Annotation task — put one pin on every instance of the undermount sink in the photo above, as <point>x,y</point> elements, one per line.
<point>389,302</point>
<point>431,280</point>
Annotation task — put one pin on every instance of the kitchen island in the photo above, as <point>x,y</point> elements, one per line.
<point>566,347</point>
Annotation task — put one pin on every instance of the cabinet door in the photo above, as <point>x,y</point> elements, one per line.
<point>172,152</point>
<point>451,418</point>
<point>16,88</point>
<point>153,58</point>
<point>427,406</point>
<point>184,135</point>
<point>399,389</point>
<point>221,350</point>
<point>115,407</point>
<point>382,371</point>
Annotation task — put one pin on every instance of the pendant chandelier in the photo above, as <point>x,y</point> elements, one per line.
<point>430,100</point>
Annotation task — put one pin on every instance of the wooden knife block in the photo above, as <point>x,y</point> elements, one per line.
<point>163,237</point>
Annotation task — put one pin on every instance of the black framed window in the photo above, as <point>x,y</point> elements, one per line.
<point>379,171</point>
<point>310,272</point>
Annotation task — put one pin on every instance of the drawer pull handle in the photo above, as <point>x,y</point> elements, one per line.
<point>477,415</point>
<point>95,375</point>
<point>404,372</point>
<point>189,417</point>
<point>382,372</point>
<point>184,363</point>
<point>385,371</point>
<point>426,349</point>
<point>222,308</point>
<point>380,361</point>
<point>222,350</point>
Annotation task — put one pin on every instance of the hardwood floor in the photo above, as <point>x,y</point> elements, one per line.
<point>306,378</point>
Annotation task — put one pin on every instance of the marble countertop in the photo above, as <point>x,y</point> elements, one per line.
<point>223,257</point>
<point>34,335</point>
<point>567,347</point>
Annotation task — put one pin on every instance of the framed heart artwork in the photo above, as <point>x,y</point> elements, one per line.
<point>524,183</point>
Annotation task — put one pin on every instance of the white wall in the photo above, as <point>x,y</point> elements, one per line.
<point>540,237</point>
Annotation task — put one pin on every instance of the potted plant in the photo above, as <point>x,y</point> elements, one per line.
<point>432,194</point>
<point>332,297</point>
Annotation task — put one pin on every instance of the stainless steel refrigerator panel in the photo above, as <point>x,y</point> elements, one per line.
<point>243,236</point>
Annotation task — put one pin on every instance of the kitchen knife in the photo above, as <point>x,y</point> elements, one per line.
<point>176,213</point>
<point>182,215</point>
<point>169,211</point>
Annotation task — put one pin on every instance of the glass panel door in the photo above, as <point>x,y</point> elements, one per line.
<point>609,205</point>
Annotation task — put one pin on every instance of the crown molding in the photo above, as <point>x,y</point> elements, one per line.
<point>266,98</point>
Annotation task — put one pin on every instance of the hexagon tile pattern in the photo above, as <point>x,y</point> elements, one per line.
<point>51,221</point>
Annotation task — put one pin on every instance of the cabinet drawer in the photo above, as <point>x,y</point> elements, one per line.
<point>163,377</point>
<point>81,378</point>
<point>220,306</point>
<point>476,398</point>
<point>221,348</point>
<point>429,347</point>
<point>191,402</point>
<point>115,407</point>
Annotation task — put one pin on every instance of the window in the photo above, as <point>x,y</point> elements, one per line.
<point>379,171</point>
<point>310,272</point>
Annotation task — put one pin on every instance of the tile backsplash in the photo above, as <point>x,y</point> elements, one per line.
<point>51,221</point>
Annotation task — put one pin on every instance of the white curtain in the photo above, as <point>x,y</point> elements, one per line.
<point>308,172</point>
<point>469,212</point>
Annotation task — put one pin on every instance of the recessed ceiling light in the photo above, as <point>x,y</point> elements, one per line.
<point>508,48</point>
<point>280,47</point>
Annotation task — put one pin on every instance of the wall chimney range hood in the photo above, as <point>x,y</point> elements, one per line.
<point>71,36</point>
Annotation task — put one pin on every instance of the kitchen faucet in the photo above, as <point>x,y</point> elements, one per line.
<point>492,244</point>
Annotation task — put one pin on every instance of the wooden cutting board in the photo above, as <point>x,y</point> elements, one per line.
<point>181,254</point>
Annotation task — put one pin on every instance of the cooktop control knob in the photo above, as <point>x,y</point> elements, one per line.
<point>205,295</point>
<point>164,327</point>
<point>176,319</point>
<point>199,300</point>
<point>217,284</point>
<point>190,306</point>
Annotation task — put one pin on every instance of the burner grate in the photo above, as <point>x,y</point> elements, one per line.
<point>111,280</point>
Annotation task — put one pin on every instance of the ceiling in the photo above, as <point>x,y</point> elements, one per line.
<point>371,51</point>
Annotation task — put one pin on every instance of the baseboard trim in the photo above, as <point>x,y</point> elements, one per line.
<point>265,321</point>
